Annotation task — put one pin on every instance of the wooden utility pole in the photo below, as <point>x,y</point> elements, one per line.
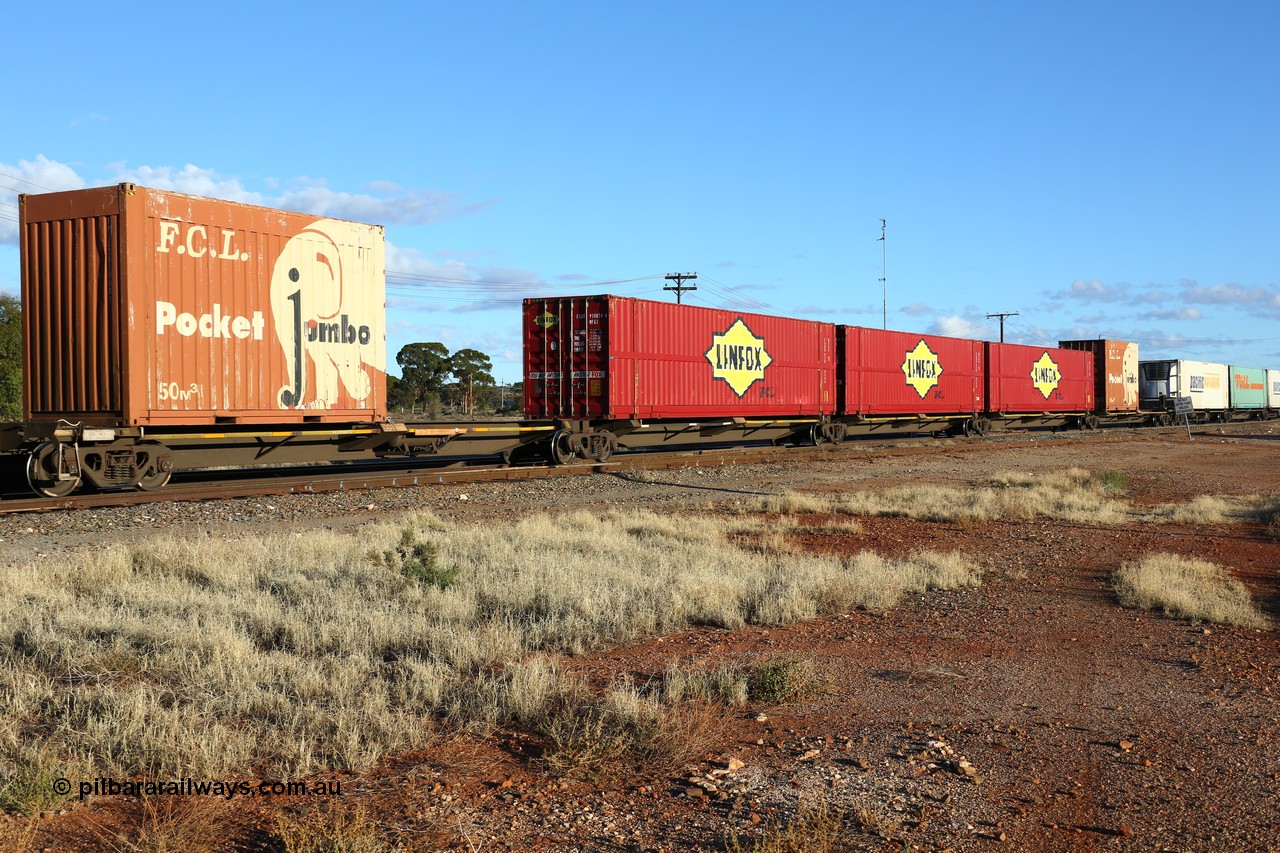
<point>680,287</point>
<point>1002,316</point>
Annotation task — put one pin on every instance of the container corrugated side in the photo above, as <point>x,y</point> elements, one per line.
<point>1115,372</point>
<point>211,311</point>
<point>1248,387</point>
<point>616,357</point>
<point>1273,389</point>
<point>887,373</point>
<point>1026,380</point>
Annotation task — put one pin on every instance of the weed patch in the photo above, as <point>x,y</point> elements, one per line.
<point>781,679</point>
<point>418,562</point>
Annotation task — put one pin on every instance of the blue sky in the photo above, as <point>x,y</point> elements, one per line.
<point>1103,169</point>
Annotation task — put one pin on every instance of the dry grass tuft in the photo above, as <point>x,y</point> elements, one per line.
<point>791,503</point>
<point>816,828</point>
<point>329,830</point>
<point>203,656</point>
<point>1216,509</point>
<point>172,825</point>
<point>724,684</point>
<point>628,733</point>
<point>1187,588</point>
<point>1074,494</point>
<point>876,820</point>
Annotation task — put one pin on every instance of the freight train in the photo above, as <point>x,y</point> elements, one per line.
<point>164,331</point>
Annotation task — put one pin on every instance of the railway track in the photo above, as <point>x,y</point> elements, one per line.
<point>240,483</point>
<point>235,484</point>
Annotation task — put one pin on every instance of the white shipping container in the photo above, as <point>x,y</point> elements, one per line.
<point>1204,382</point>
<point>1273,389</point>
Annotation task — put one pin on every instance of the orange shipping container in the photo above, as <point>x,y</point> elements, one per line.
<point>146,307</point>
<point>1115,372</point>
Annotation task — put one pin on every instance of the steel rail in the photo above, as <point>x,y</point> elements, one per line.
<point>461,472</point>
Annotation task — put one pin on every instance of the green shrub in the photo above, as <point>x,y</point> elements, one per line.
<point>419,562</point>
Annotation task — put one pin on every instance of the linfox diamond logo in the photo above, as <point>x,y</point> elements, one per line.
<point>1045,375</point>
<point>738,357</point>
<point>546,319</point>
<point>922,368</point>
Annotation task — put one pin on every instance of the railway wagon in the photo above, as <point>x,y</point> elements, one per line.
<point>1206,383</point>
<point>150,314</point>
<point>891,380</point>
<point>1247,393</point>
<point>618,370</point>
<point>1273,391</point>
<point>1039,386</point>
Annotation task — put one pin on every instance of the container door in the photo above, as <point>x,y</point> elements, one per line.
<point>71,293</point>
<point>565,357</point>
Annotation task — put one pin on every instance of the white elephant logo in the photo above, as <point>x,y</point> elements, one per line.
<point>326,298</point>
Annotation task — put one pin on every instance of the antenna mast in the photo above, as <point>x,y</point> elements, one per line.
<point>884,278</point>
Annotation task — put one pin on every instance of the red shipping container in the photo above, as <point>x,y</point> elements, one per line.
<point>1025,379</point>
<point>613,357</point>
<point>147,307</point>
<point>904,373</point>
<point>1115,372</point>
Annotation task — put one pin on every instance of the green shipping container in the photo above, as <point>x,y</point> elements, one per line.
<point>1248,387</point>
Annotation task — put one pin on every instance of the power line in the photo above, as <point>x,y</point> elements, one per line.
<point>729,293</point>
<point>25,181</point>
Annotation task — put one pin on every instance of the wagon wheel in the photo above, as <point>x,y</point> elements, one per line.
<point>159,468</point>
<point>1089,421</point>
<point>42,472</point>
<point>559,450</point>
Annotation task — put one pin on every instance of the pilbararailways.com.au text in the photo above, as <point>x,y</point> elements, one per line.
<point>227,789</point>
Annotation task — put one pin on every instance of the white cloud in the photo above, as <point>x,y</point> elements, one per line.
<point>1165,304</point>
<point>454,285</point>
<point>384,203</point>
<point>1091,291</point>
<point>1172,314</point>
<point>1266,299</point>
<point>1099,291</point>
<point>30,176</point>
<point>400,208</point>
<point>189,179</point>
<point>958,326</point>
